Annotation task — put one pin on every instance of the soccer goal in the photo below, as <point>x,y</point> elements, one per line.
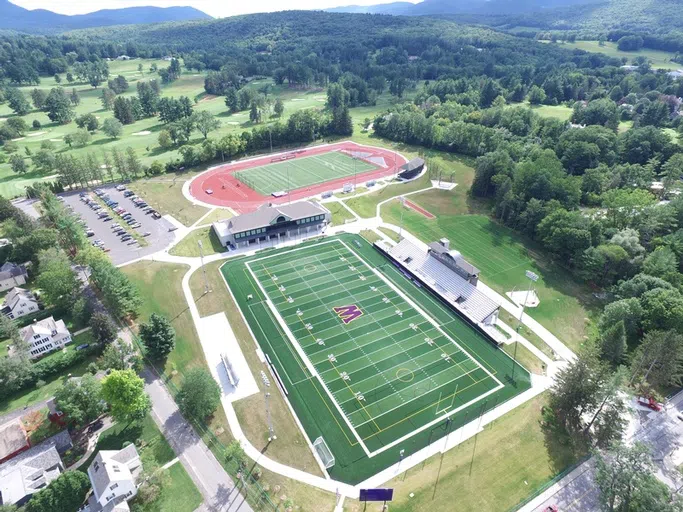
<point>324,452</point>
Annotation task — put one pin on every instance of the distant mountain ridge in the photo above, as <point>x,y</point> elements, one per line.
<point>430,7</point>
<point>41,21</point>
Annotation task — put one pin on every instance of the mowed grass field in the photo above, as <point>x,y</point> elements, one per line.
<point>503,258</point>
<point>315,408</point>
<point>659,59</point>
<point>302,172</point>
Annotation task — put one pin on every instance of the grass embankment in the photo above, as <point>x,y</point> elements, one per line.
<point>33,395</point>
<point>216,215</point>
<point>494,471</point>
<point>340,215</point>
<point>166,196</point>
<point>189,246</point>
<point>525,357</point>
<point>503,256</point>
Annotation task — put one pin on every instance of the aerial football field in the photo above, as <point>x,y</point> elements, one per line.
<point>371,362</point>
<point>295,173</point>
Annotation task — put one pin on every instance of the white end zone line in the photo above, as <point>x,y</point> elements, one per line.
<point>311,368</point>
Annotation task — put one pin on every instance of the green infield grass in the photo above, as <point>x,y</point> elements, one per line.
<point>302,172</point>
<point>373,364</point>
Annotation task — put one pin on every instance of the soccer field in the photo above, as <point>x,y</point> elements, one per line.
<point>369,361</point>
<point>302,172</point>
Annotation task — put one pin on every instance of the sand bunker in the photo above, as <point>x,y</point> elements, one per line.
<point>18,139</point>
<point>298,99</point>
<point>55,140</point>
<point>144,132</point>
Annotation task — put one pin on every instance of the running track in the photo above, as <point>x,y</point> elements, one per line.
<point>228,191</point>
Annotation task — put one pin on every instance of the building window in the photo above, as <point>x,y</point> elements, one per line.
<point>112,487</point>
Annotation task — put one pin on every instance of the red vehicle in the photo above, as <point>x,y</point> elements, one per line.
<point>551,508</point>
<point>650,403</point>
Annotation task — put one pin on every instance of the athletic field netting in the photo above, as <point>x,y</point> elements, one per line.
<point>381,360</point>
<point>369,361</point>
<point>302,172</point>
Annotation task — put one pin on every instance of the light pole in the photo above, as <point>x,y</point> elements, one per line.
<point>533,277</point>
<point>271,430</point>
<point>201,256</point>
<point>403,207</point>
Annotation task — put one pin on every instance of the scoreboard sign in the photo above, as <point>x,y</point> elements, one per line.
<point>376,494</point>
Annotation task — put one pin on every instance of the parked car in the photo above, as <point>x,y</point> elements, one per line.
<point>128,193</point>
<point>172,228</point>
<point>126,238</point>
<point>107,218</point>
<point>136,225</point>
<point>121,188</point>
<point>90,233</point>
<point>131,221</point>
<point>156,215</point>
<point>146,233</point>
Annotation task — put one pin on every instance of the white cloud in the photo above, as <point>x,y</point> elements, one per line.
<point>215,8</point>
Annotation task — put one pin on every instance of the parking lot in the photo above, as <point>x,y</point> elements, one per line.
<point>121,251</point>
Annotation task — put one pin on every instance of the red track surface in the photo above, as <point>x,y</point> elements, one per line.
<point>228,191</point>
<point>419,209</point>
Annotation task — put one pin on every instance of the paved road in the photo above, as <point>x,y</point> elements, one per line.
<point>211,479</point>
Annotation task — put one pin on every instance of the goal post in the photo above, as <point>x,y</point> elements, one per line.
<point>324,452</point>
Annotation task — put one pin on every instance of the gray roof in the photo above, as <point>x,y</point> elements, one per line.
<point>458,291</point>
<point>33,469</point>
<point>15,295</point>
<point>415,163</point>
<point>106,460</point>
<point>267,215</point>
<point>459,260</point>
<point>12,438</point>
<point>44,327</point>
<point>10,270</point>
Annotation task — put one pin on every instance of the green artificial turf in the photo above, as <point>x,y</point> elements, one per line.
<point>408,386</point>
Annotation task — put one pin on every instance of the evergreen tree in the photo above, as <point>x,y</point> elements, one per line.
<point>158,336</point>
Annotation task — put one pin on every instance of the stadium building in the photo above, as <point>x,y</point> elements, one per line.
<point>412,169</point>
<point>273,223</point>
<point>448,275</point>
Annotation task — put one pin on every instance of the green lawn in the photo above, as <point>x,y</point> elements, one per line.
<point>504,464</point>
<point>166,195</point>
<point>189,247</point>
<point>659,59</point>
<point>180,495</point>
<point>503,257</point>
<point>216,215</point>
<point>161,291</point>
<point>561,112</point>
<point>339,214</point>
<point>33,395</point>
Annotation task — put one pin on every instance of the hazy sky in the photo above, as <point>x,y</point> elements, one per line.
<point>215,8</point>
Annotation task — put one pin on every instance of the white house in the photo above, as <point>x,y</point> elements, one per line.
<point>19,302</point>
<point>12,275</point>
<point>45,336</point>
<point>113,477</point>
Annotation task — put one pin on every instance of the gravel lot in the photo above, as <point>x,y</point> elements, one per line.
<point>120,252</point>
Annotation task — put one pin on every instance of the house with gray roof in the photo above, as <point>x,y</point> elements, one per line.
<point>45,336</point>
<point>272,223</point>
<point>12,275</point>
<point>19,302</point>
<point>32,470</point>
<point>113,475</point>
